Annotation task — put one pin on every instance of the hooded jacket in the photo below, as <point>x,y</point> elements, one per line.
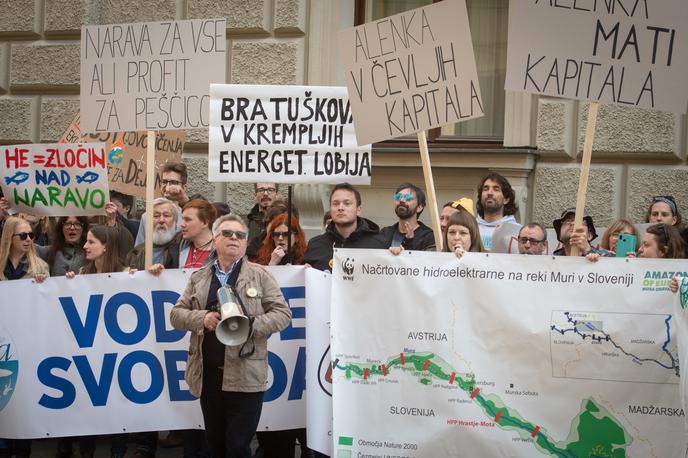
<point>321,247</point>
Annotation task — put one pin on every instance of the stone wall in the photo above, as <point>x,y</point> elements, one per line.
<point>39,63</point>
<point>637,154</point>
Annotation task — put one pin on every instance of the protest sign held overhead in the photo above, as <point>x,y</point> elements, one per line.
<point>126,159</point>
<point>59,179</point>
<point>284,134</point>
<point>629,53</point>
<point>411,72</point>
<point>150,76</point>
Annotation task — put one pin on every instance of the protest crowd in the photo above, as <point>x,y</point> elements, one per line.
<point>191,232</point>
<point>72,210</point>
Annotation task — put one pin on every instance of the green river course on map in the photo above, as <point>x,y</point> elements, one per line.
<point>594,433</point>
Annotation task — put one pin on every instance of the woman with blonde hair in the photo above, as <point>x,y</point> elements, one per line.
<point>18,258</point>
<point>611,235</point>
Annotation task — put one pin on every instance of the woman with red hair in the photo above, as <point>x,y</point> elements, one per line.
<point>273,250</point>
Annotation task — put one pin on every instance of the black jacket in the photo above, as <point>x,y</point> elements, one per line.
<point>321,247</point>
<point>423,237</point>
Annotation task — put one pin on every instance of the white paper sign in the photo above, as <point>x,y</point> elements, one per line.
<point>412,71</point>
<point>58,179</point>
<point>630,53</point>
<point>284,134</point>
<point>150,75</point>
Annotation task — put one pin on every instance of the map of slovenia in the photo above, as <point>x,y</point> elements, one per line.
<point>627,347</point>
<point>594,432</point>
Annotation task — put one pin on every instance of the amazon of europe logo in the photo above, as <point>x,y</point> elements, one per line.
<point>9,369</point>
<point>348,269</point>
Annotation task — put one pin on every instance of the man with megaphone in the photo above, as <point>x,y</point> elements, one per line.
<point>230,307</point>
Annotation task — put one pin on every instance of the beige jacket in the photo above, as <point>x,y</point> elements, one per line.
<point>271,313</point>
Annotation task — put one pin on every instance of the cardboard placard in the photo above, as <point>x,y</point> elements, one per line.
<point>150,75</point>
<point>126,157</point>
<point>284,134</point>
<point>410,72</point>
<point>629,53</point>
<point>56,179</point>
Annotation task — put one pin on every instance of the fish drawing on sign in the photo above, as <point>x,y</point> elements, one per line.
<point>17,178</point>
<point>88,177</point>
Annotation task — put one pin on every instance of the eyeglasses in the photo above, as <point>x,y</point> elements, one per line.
<point>241,235</point>
<point>265,190</point>
<point>399,196</point>
<point>24,235</point>
<point>524,240</point>
<point>72,225</point>
<point>282,234</point>
<point>170,183</point>
<point>615,235</point>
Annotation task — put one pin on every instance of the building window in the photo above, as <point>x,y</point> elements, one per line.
<point>489,20</point>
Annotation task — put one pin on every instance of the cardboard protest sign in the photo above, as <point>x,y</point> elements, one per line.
<point>150,75</point>
<point>127,158</point>
<point>73,132</point>
<point>629,53</point>
<point>411,72</point>
<point>284,134</point>
<point>127,155</point>
<point>58,179</point>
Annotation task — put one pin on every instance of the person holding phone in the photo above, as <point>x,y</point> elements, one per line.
<point>624,229</point>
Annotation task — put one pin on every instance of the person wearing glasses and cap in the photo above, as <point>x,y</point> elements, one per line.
<point>663,209</point>
<point>230,380</point>
<point>408,232</point>
<point>264,194</point>
<point>579,236</point>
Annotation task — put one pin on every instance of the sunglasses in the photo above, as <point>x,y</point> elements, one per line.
<point>399,196</point>
<point>241,235</point>
<point>24,235</point>
<point>283,234</point>
<point>524,240</point>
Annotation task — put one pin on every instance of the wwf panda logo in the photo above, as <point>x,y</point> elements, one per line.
<point>348,266</point>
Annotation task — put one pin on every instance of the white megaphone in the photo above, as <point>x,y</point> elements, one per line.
<point>234,326</point>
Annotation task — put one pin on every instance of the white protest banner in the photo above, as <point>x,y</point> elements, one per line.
<point>681,316</point>
<point>318,361</point>
<point>150,75</point>
<point>285,400</point>
<point>97,355</point>
<point>411,72</point>
<point>284,134</point>
<point>56,179</point>
<point>630,53</point>
<point>498,355</point>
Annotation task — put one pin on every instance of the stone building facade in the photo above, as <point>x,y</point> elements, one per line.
<point>637,153</point>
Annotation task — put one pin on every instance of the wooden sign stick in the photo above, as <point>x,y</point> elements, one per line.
<point>585,170</point>
<point>150,196</point>
<point>430,189</point>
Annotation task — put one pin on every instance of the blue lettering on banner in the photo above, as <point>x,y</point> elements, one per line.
<point>52,371</point>
<point>280,377</point>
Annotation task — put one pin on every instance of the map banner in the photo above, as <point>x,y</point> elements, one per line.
<point>504,356</point>
<point>681,316</point>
